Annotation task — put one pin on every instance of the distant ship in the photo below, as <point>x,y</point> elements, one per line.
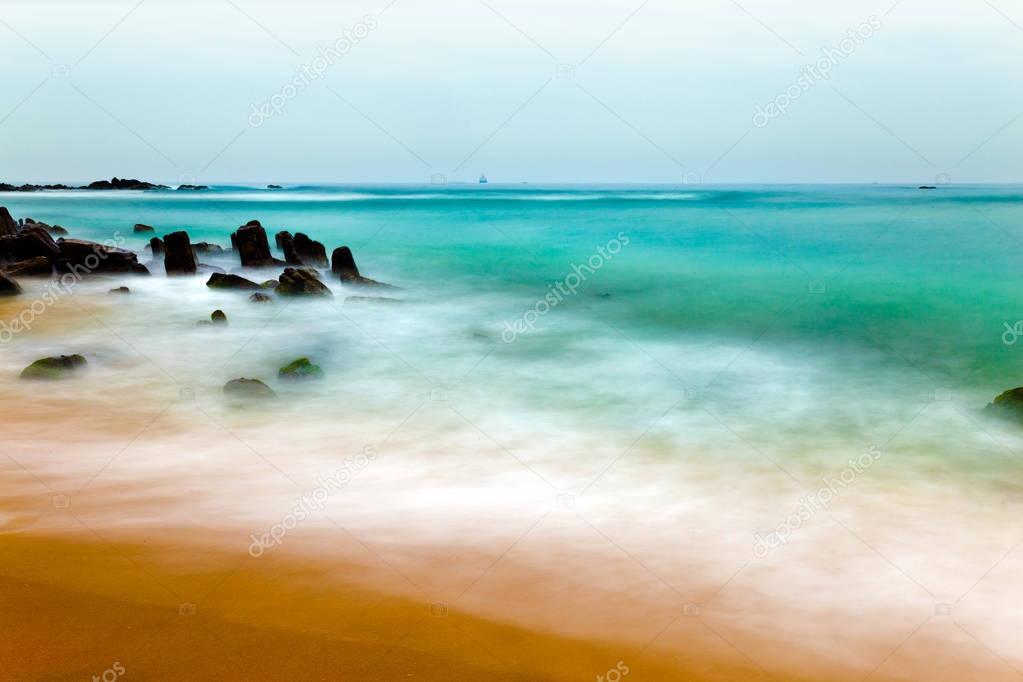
<point>483,180</point>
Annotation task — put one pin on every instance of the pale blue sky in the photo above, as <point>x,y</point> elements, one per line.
<point>552,91</point>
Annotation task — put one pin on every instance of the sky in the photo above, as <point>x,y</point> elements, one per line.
<point>642,91</point>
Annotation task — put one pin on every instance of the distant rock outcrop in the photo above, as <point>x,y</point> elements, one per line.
<point>122,183</point>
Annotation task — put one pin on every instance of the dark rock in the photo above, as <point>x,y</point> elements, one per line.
<point>178,258</point>
<point>310,252</point>
<point>342,263</point>
<point>299,370</point>
<point>927,187</point>
<point>82,257</point>
<point>53,368</point>
<point>260,298</point>
<point>1008,404</point>
<point>194,188</point>
<point>122,183</point>
<point>218,317</point>
<point>120,290</point>
<point>296,282</point>
<point>7,225</point>
<point>207,249</point>
<point>156,246</point>
<point>248,388</point>
<point>57,230</point>
<point>31,242</point>
<point>274,187</point>
<point>40,266</point>
<point>253,249</point>
<point>8,287</point>
<point>286,243</point>
<point>224,281</point>
<point>139,228</point>
<point>269,284</point>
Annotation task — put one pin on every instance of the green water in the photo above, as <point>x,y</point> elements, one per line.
<point>791,321</point>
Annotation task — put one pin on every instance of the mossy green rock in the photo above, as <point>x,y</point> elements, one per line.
<point>1008,404</point>
<point>301,369</point>
<point>53,368</point>
<point>248,388</point>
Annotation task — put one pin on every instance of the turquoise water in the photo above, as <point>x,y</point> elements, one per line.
<point>792,320</point>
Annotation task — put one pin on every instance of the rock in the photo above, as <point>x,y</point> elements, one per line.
<point>295,282</point>
<point>310,252</point>
<point>57,230</point>
<point>53,368</point>
<point>1008,404</point>
<point>178,258</point>
<point>156,246</point>
<point>82,257</point>
<point>122,183</point>
<point>218,317</point>
<point>120,290</point>
<point>206,269</point>
<point>927,187</point>
<point>224,281</point>
<point>39,266</point>
<point>7,225</point>
<point>286,243</point>
<point>8,287</point>
<point>207,249</point>
<point>342,263</point>
<point>140,228</point>
<point>31,242</point>
<point>274,187</point>
<point>371,299</point>
<point>248,388</point>
<point>194,188</point>
<point>269,284</point>
<point>299,370</point>
<point>260,298</point>
<point>253,249</point>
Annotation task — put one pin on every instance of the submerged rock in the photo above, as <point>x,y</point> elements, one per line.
<point>57,230</point>
<point>218,317</point>
<point>120,290</point>
<point>299,282</point>
<point>8,287</point>
<point>229,281</point>
<point>33,267</point>
<point>141,228</point>
<point>269,284</point>
<point>248,388</point>
<point>1008,404</point>
<point>53,368</point>
<point>178,257</point>
<point>207,249</point>
<point>260,298</point>
<point>300,369</point>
